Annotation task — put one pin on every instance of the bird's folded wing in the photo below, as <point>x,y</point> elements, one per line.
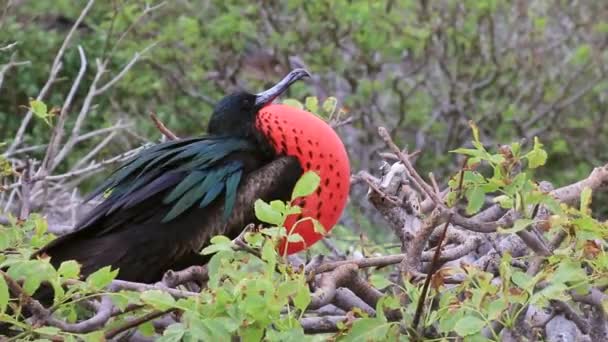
<point>176,174</point>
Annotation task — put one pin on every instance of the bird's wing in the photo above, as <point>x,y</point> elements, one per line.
<point>136,241</point>
<point>184,173</point>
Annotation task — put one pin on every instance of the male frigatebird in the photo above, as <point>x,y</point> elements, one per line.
<point>164,205</point>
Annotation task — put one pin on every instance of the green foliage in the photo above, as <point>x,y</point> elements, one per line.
<point>503,177</point>
<point>261,297</point>
<point>41,111</point>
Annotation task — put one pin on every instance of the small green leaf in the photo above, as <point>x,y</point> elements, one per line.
<point>69,269</point>
<point>581,54</point>
<point>469,325</point>
<point>504,201</point>
<point>538,156</point>
<point>266,213</point>
<point>102,277</point>
<point>251,333</point>
<point>218,243</point>
<point>33,273</point>
<point>523,280</point>
<point>47,331</point>
<point>269,253</point>
<point>586,197</point>
<point>293,103</point>
<point>330,104</point>
<point>519,225</point>
<point>318,226</point>
<point>39,109</point>
<point>147,329</point>
<point>475,130</point>
<point>368,329</point>
<point>302,298</point>
<point>279,206</point>
<point>497,307</point>
<point>476,198</point>
<point>312,104</point>
<point>306,185</point>
<point>569,271</point>
<point>379,281</point>
<point>295,237</point>
<point>174,333</point>
<point>4,295</point>
<point>552,291</point>
<point>158,299</point>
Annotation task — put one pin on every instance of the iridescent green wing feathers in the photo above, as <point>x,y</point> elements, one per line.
<point>190,172</point>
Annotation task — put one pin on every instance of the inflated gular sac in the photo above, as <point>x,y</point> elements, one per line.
<point>317,147</point>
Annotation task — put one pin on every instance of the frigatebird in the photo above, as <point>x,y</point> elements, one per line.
<point>161,207</point>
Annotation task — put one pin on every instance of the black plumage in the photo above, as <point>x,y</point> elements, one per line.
<point>162,206</point>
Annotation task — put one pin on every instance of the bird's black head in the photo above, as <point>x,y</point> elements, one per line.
<point>235,114</point>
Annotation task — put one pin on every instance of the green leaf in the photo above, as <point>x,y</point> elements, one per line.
<point>497,307</point>
<point>552,291</point>
<point>312,104</point>
<point>449,321</point>
<point>581,54</point>
<point>302,298</point>
<point>174,333</point>
<point>269,254</point>
<point>158,299</point>
<point>537,157</point>
<point>330,104</point>
<point>266,213</point>
<point>295,237</point>
<point>519,225</point>
<point>40,110</point>
<point>367,329</point>
<point>48,331</point>
<point>4,295</point>
<point>69,269</point>
<point>279,206</point>
<point>94,336</point>
<point>476,198</point>
<point>469,325</point>
<point>318,226</point>
<point>306,185</point>
<point>218,243</point>
<point>569,271</point>
<point>252,333</point>
<point>586,197</point>
<point>379,281</point>
<point>523,281</point>
<point>468,152</point>
<point>293,103</point>
<point>475,130</point>
<point>33,273</point>
<point>147,329</point>
<point>102,277</point>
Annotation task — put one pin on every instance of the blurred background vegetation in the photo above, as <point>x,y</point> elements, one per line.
<point>421,68</point>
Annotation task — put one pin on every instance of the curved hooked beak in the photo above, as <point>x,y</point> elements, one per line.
<point>269,95</point>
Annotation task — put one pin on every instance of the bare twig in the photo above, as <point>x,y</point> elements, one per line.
<point>322,325</point>
<point>130,324</point>
<point>427,281</point>
<point>57,134</point>
<point>162,128</point>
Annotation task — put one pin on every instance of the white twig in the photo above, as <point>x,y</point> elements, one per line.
<point>58,129</point>
<point>8,66</point>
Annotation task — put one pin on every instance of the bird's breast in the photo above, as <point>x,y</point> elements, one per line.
<point>316,145</point>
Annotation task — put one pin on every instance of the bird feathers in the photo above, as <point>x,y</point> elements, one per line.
<point>199,170</point>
